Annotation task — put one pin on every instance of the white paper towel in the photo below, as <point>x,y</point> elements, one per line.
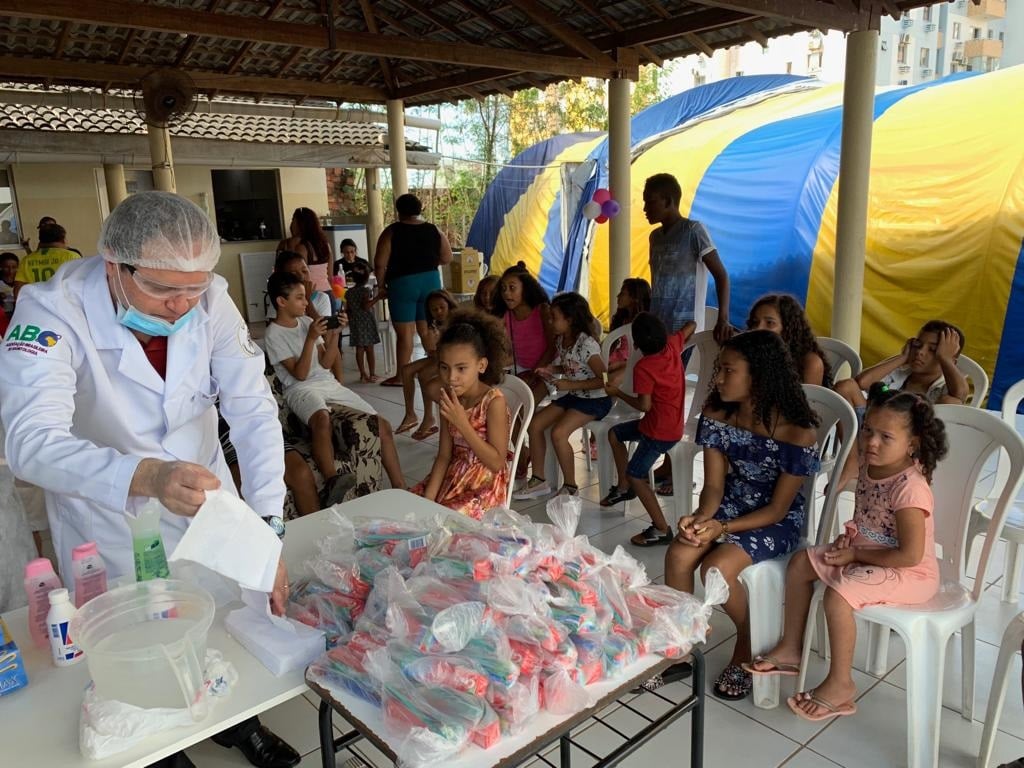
<point>228,537</point>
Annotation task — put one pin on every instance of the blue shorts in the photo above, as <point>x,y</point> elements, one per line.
<point>407,296</point>
<point>647,449</point>
<point>594,407</point>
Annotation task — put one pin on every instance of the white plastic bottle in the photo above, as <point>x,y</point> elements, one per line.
<point>58,622</point>
<point>40,580</point>
<point>148,544</point>
<point>89,572</point>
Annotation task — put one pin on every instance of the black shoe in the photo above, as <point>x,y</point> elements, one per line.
<point>335,489</point>
<point>652,537</point>
<point>177,760</point>
<point>615,496</point>
<point>261,747</point>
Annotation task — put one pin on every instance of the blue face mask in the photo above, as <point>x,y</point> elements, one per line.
<point>151,326</point>
<point>135,320</point>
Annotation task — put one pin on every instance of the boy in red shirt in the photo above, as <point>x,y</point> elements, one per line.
<point>660,384</point>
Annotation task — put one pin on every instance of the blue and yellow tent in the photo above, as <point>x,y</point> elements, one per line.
<point>758,161</point>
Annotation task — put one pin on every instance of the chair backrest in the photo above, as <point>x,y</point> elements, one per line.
<point>837,353</point>
<point>520,405</point>
<point>1011,402</point>
<point>976,377</point>
<point>705,354</point>
<point>973,435</point>
<point>836,416</point>
<point>626,385</point>
<point>710,317</point>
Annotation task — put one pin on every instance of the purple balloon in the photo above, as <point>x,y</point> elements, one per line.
<point>610,208</point>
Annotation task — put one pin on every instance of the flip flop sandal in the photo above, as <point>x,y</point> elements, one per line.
<point>423,434</point>
<point>405,426</point>
<point>652,537</point>
<point>830,710</point>
<point>394,381</point>
<point>735,678</point>
<point>665,488</point>
<point>777,668</point>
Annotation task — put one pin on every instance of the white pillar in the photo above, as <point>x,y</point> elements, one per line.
<point>619,143</point>
<point>854,177</point>
<point>161,158</point>
<point>117,190</point>
<point>396,147</point>
<point>374,210</point>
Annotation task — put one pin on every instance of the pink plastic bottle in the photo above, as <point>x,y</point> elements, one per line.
<point>90,573</point>
<point>40,580</point>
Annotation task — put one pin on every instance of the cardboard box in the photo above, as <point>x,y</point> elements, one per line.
<point>12,668</point>
<point>464,278</point>
<point>467,257</point>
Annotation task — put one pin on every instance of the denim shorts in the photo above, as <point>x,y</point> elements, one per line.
<point>594,407</point>
<point>647,449</point>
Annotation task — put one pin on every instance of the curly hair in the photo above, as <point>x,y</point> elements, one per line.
<point>775,389</point>
<point>533,292</point>
<point>640,291</point>
<point>576,310</point>
<point>311,232</point>
<point>796,331</point>
<point>446,297</point>
<point>921,421</point>
<point>485,334</point>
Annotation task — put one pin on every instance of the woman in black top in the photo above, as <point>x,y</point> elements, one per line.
<point>406,261</point>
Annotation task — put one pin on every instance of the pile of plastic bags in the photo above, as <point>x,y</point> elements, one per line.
<point>463,630</point>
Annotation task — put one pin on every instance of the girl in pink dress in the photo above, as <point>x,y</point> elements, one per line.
<point>470,473</point>
<point>885,555</point>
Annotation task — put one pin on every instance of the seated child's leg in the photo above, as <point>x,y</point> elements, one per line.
<point>681,562</point>
<point>301,482</point>
<point>430,391</point>
<point>408,377</point>
<point>321,445</point>
<point>542,421</point>
<point>570,421</point>
<point>838,687</point>
<point>389,454</point>
<point>730,560</point>
<point>620,454</point>
<point>800,580</point>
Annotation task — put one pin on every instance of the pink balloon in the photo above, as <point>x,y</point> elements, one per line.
<point>601,219</point>
<point>601,195</point>
<point>610,208</point>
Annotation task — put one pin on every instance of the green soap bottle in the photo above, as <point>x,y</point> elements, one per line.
<point>147,543</point>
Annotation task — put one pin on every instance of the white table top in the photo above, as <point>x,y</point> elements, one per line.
<point>39,724</point>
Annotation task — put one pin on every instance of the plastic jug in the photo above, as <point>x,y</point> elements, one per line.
<point>145,644</point>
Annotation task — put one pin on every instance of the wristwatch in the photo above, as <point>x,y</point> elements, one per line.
<point>276,524</point>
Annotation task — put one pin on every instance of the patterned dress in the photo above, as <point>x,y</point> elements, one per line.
<point>468,486</point>
<point>362,325</point>
<point>874,527</point>
<point>755,464</point>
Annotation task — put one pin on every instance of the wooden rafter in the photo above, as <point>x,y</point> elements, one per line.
<point>698,42</point>
<point>754,34</point>
<point>238,58</point>
<point>371,25</point>
<point>292,58</point>
<point>557,28</point>
<point>256,29</point>
<point>495,23</point>
<point>186,50</point>
<point>808,13</point>
<point>62,39</point>
<point>334,67</point>
<point>436,19</point>
<point>614,26</point>
<point>82,71</point>
<point>448,83</point>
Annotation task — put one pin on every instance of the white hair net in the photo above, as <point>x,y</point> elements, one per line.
<point>160,230</point>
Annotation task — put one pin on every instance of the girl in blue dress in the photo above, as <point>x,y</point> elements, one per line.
<point>757,430</point>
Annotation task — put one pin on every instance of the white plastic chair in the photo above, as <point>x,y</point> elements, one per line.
<point>683,453</point>
<point>837,353</point>
<point>520,405</point>
<point>1011,644</point>
<point>765,582</point>
<point>976,377</point>
<point>973,436</point>
<point>1013,528</point>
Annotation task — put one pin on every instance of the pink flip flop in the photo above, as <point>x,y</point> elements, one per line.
<point>830,710</point>
<point>777,668</point>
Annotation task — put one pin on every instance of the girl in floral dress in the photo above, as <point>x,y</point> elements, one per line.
<point>470,474</point>
<point>884,556</point>
<point>757,429</point>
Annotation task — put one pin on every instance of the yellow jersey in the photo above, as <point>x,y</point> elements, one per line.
<point>40,265</point>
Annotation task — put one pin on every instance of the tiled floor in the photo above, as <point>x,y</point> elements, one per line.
<point>736,734</point>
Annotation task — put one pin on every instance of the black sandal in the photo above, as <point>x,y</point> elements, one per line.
<point>652,537</point>
<point>735,678</point>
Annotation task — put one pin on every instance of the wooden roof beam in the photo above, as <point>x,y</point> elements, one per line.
<point>557,28</point>
<point>494,23</point>
<point>129,76</point>
<point>698,42</point>
<point>614,26</point>
<point>122,13</point>
<point>809,13</point>
<point>373,29</point>
<point>754,33</point>
<point>422,9</point>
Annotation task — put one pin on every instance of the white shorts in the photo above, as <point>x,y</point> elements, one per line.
<point>306,398</point>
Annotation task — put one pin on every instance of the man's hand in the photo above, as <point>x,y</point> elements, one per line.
<point>279,597</point>
<point>179,485</point>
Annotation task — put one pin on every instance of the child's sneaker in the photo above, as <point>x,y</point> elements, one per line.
<point>652,537</point>
<point>569,490</point>
<point>615,496</point>
<point>534,489</point>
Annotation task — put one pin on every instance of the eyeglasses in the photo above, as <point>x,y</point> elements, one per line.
<point>157,290</point>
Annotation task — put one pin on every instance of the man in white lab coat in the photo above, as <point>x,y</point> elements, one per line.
<point>109,374</point>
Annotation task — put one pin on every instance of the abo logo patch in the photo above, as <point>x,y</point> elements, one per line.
<point>31,339</point>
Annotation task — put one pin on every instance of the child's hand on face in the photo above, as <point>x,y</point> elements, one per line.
<point>948,346</point>
<point>908,351</point>
<point>452,410</point>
